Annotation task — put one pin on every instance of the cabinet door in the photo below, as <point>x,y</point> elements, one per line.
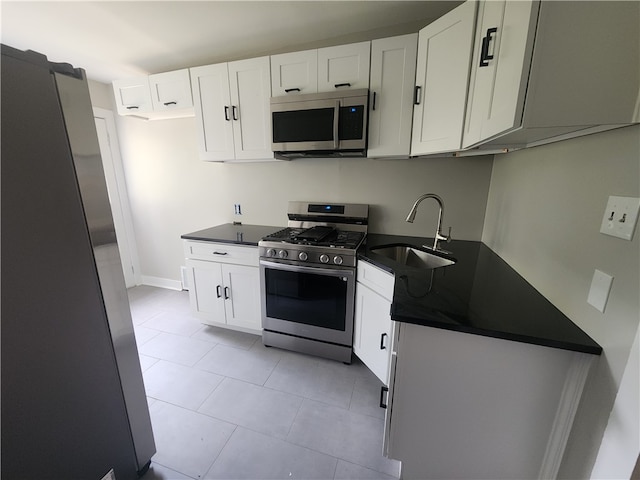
<point>250,86</point>
<point>206,291</point>
<point>373,331</point>
<point>344,66</point>
<point>393,70</point>
<point>295,72</point>
<point>212,103</point>
<point>171,90</point>
<point>242,296</point>
<point>442,78</point>
<point>500,73</point>
<point>132,96</point>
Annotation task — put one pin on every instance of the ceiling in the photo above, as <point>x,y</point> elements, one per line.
<point>120,39</point>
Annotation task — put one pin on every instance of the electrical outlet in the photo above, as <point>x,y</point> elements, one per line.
<point>599,291</point>
<point>237,209</point>
<point>620,217</point>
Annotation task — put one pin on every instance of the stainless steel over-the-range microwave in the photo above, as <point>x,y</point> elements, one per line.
<point>329,124</point>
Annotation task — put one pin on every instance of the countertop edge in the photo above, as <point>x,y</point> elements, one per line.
<point>542,342</point>
<point>232,234</point>
<point>220,240</point>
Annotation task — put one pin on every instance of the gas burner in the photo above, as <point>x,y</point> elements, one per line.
<point>315,234</point>
<point>319,234</point>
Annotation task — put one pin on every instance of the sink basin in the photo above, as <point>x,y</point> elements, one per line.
<point>412,256</point>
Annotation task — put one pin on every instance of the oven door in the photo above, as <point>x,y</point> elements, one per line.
<point>310,302</point>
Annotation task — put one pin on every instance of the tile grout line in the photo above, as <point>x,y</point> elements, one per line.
<point>235,428</point>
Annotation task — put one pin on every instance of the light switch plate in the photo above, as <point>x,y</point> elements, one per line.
<point>599,291</point>
<point>620,217</point>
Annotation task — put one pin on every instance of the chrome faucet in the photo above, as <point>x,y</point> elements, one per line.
<point>412,215</point>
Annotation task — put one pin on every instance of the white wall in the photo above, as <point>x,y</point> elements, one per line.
<point>173,192</point>
<point>101,95</point>
<point>543,217</point>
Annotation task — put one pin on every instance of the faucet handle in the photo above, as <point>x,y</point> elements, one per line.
<point>446,238</point>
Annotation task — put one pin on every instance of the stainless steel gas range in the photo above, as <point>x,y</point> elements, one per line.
<point>308,278</point>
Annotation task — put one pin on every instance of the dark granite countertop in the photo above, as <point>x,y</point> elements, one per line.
<point>232,233</point>
<point>481,294</point>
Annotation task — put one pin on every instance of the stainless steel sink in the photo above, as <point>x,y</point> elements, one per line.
<point>412,256</point>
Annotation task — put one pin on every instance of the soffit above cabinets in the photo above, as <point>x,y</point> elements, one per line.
<point>114,40</point>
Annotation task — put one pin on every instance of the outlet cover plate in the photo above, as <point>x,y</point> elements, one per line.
<point>599,291</point>
<point>620,217</point>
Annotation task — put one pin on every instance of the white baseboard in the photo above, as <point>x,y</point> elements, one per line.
<point>161,282</point>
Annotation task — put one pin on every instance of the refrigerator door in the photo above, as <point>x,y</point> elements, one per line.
<point>83,140</point>
<point>73,404</point>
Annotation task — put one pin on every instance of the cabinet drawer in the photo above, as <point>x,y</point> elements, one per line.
<point>376,279</point>
<point>221,252</point>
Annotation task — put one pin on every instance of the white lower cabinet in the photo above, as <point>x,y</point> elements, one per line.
<point>224,292</point>
<point>468,406</point>
<point>373,328</point>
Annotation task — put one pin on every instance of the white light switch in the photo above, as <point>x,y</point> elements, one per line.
<point>600,288</point>
<point>620,217</point>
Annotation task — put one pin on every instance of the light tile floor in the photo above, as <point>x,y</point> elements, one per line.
<point>223,406</point>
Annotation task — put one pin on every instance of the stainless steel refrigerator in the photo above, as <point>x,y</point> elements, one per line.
<point>73,399</point>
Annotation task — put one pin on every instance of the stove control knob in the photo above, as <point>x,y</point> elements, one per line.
<point>324,258</point>
<point>271,252</point>
<point>283,254</point>
<point>303,256</point>
<point>337,260</point>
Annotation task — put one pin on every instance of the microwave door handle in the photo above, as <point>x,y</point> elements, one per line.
<point>336,117</point>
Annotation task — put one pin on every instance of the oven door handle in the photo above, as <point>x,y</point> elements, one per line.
<point>336,272</point>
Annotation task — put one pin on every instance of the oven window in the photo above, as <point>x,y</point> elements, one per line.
<point>311,125</point>
<point>312,299</point>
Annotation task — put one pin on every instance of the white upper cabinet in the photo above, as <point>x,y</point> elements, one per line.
<point>344,66</point>
<point>158,96</point>
<point>212,104</point>
<point>502,55</point>
<point>250,85</point>
<point>322,70</point>
<point>231,103</point>
<point>545,71</point>
<point>295,72</point>
<point>442,78</point>
<point>171,90</point>
<point>393,69</point>
<point>133,96</point>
